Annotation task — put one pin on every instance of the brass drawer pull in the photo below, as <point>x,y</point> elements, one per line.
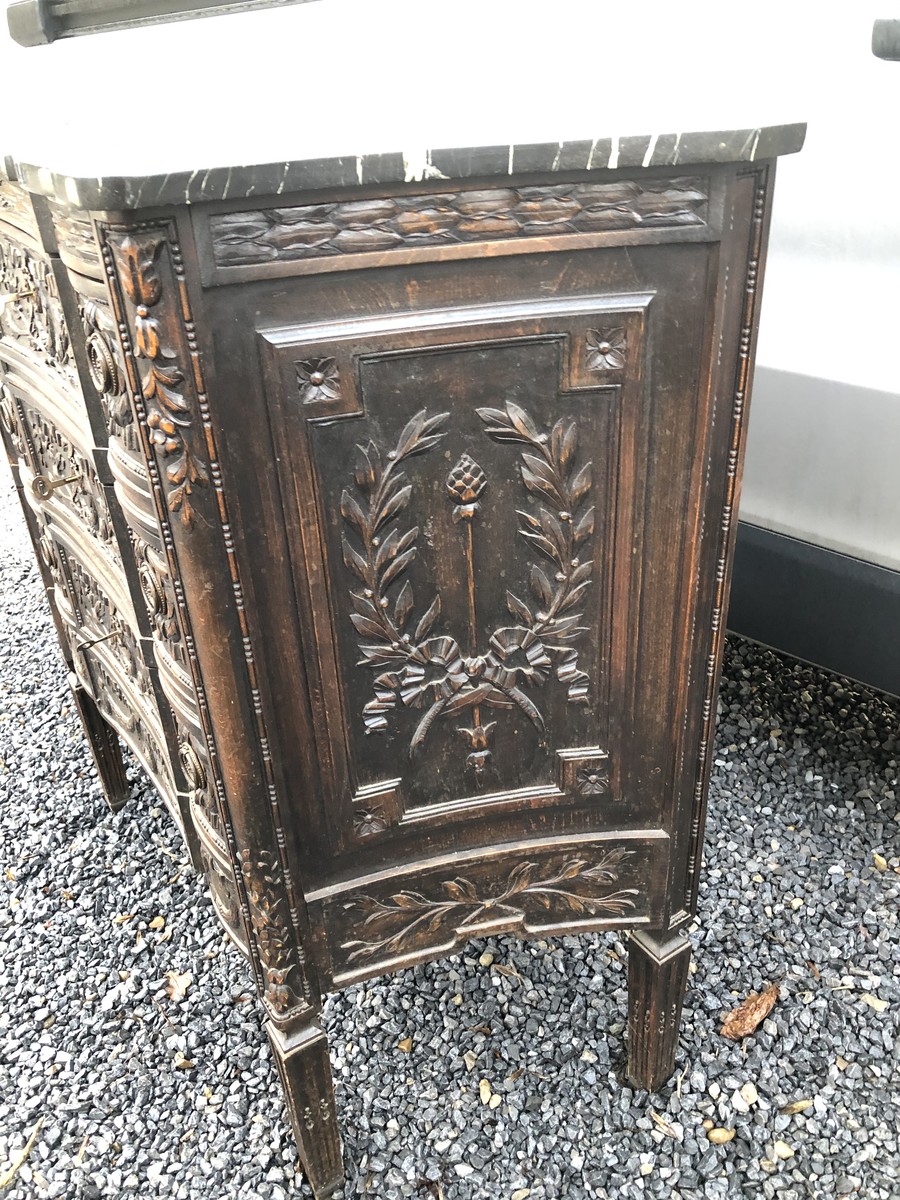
<point>44,488</point>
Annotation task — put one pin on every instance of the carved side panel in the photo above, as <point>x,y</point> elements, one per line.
<point>460,567</point>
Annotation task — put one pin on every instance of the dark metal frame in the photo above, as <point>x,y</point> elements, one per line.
<point>817,605</point>
<point>39,22</point>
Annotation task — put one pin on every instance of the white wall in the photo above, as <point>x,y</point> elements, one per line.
<point>823,460</point>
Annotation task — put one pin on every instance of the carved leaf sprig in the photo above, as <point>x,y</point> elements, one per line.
<point>558,529</point>
<point>576,887</point>
<point>381,552</point>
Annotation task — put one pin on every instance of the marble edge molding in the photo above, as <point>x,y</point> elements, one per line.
<point>115,193</point>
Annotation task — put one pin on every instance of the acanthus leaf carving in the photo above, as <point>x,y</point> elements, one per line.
<point>285,983</point>
<point>168,414</point>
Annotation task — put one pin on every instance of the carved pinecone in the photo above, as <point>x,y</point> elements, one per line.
<point>466,481</point>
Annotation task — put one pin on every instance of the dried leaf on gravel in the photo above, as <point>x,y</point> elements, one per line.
<point>797,1106</point>
<point>405,1044</point>
<point>744,1019</point>
<point>10,1173</point>
<point>663,1124</point>
<point>157,923</point>
<point>183,1063</point>
<point>122,918</point>
<point>880,861</point>
<point>177,984</point>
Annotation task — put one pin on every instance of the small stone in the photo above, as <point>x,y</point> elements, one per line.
<point>720,1136</point>
<point>783,1150</point>
<point>405,1044</point>
<point>486,959</point>
<point>484,1091</point>
<point>749,1093</point>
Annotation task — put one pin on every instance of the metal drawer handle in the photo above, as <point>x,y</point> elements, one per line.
<point>44,488</point>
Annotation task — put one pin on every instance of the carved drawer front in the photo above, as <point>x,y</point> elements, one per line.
<point>32,323</point>
<point>463,491</point>
<point>16,211</point>
<point>390,919</point>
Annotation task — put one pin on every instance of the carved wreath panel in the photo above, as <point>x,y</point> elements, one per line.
<point>419,666</point>
<point>464,517</point>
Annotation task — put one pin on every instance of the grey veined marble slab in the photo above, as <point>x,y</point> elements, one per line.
<point>353,93</point>
<point>273,179</point>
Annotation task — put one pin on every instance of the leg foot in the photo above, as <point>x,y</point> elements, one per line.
<point>305,1071</point>
<point>105,747</point>
<point>657,975</point>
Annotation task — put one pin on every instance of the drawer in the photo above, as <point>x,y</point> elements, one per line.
<point>32,323</point>
<point>380,923</point>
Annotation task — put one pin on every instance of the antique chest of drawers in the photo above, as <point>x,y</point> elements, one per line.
<point>385,509</point>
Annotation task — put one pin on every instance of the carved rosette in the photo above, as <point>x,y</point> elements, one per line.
<point>286,986</point>
<point>106,372</point>
<point>167,412</point>
<point>10,418</point>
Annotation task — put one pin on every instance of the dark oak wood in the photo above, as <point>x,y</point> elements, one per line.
<point>657,975</point>
<point>392,530</point>
<point>105,747</point>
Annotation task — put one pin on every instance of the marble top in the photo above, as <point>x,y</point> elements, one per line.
<point>349,93</point>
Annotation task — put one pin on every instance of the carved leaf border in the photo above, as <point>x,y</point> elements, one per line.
<point>572,887</point>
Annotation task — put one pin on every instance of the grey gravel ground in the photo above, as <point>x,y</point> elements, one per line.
<point>804,798</point>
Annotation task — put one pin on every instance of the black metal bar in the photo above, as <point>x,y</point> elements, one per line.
<point>817,605</point>
<point>886,40</point>
<point>39,22</point>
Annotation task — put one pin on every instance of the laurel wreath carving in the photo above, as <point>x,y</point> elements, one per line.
<point>431,671</point>
<point>576,887</point>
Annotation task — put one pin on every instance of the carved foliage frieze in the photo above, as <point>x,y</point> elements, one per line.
<point>421,668</point>
<point>572,888</point>
<point>396,223</point>
<point>169,416</point>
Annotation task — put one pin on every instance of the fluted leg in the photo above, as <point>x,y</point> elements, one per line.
<point>305,1071</point>
<point>657,975</point>
<point>106,749</point>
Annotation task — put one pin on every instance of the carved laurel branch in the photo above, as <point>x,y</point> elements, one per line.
<point>384,553</point>
<point>574,888</point>
<point>548,472</point>
<point>168,413</point>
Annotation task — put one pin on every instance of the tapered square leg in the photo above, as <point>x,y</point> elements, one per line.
<point>305,1070</point>
<point>657,975</point>
<point>106,749</point>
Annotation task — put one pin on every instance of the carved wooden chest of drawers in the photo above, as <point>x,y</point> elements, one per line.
<point>387,514</point>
